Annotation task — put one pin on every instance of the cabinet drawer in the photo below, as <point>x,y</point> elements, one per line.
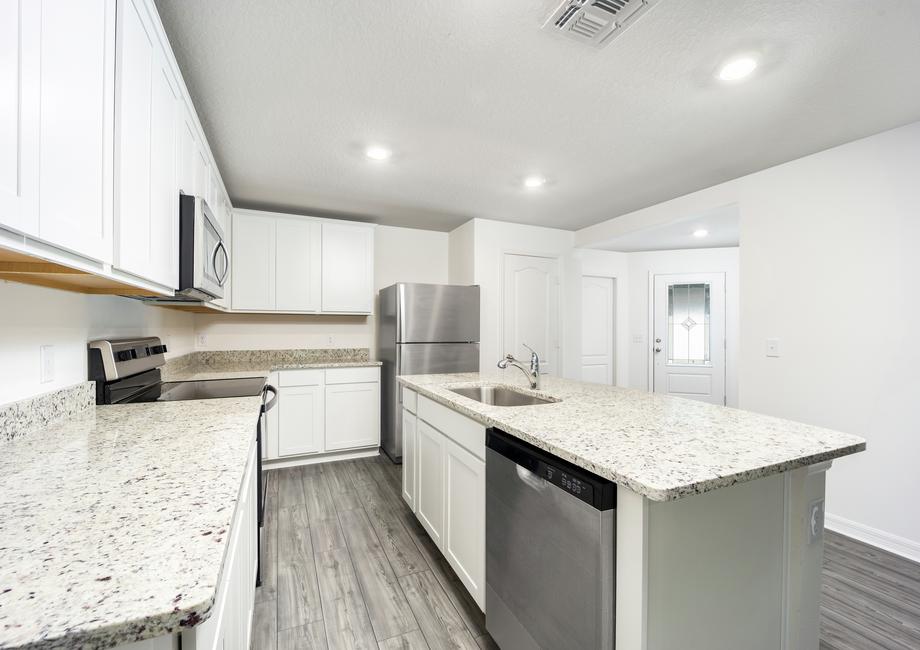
<point>409,400</point>
<point>352,375</point>
<point>467,433</point>
<point>300,377</point>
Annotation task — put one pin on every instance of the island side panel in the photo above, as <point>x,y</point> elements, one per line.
<point>631,569</point>
<point>716,569</point>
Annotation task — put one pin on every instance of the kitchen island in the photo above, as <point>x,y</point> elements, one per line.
<point>719,515</point>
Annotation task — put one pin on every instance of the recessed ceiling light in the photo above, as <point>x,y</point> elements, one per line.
<point>533,182</point>
<point>701,232</point>
<point>378,153</point>
<point>737,69</point>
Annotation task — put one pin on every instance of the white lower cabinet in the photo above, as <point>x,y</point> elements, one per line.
<point>444,480</point>
<point>300,420</point>
<point>409,464</point>
<point>465,518</point>
<point>353,416</point>
<point>430,474</point>
<point>324,411</point>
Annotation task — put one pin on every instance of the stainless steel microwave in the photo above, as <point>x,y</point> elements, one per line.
<point>204,259</point>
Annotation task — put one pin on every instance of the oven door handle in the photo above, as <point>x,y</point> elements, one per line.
<point>270,404</point>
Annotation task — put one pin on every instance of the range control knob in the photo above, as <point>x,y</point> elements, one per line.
<point>157,349</point>
<point>126,355</point>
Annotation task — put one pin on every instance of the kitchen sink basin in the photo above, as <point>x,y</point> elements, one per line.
<point>500,396</point>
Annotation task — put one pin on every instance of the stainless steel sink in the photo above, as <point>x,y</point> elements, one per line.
<point>500,396</point>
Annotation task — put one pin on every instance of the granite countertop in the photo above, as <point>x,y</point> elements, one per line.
<point>659,446</point>
<point>234,364</point>
<point>115,521</point>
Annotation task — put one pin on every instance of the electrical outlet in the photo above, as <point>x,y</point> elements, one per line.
<point>47,363</point>
<point>772,347</point>
<point>815,521</point>
<point>201,341</point>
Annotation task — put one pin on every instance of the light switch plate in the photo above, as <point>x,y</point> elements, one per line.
<point>47,363</point>
<point>772,347</point>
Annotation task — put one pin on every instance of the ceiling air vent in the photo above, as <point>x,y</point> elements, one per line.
<point>596,22</point>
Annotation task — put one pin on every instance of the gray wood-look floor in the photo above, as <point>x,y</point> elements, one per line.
<point>870,598</point>
<point>345,564</point>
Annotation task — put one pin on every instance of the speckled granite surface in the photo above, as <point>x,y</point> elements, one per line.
<point>36,412</point>
<point>227,364</point>
<point>115,521</point>
<point>661,447</point>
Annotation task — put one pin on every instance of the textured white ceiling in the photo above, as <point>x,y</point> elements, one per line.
<point>723,226</point>
<point>473,96</point>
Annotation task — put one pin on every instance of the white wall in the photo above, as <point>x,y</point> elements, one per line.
<point>642,266</point>
<point>486,246</point>
<point>829,265</point>
<point>35,316</point>
<point>400,255</point>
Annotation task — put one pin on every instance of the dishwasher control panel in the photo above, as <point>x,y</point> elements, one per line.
<point>571,484</point>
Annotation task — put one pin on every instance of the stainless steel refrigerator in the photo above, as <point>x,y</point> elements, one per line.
<point>422,329</point>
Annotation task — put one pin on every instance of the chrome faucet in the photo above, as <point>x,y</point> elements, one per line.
<point>533,376</point>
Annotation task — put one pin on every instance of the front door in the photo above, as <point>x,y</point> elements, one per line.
<point>530,311</point>
<point>689,336</point>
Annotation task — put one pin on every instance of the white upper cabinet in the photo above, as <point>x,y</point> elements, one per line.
<point>20,52</point>
<point>297,265</point>
<point>146,126</point>
<point>348,268</point>
<point>76,124</point>
<point>253,265</point>
<point>291,264</point>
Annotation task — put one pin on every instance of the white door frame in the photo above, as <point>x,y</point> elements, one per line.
<point>651,326</point>
<point>560,352</point>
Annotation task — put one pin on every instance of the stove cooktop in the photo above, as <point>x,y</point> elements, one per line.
<point>174,391</point>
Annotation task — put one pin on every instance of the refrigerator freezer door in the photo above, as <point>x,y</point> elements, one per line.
<point>417,359</point>
<point>437,313</point>
<point>435,358</point>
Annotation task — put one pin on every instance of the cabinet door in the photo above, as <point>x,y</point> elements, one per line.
<point>253,265</point>
<point>77,107</point>
<point>465,518</point>
<point>348,268</point>
<point>352,415</point>
<point>430,472</point>
<point>300,420</point>
<point>146,120</point>
<point>20,51</point>
<point>409,423</point>
<point>297,265</point>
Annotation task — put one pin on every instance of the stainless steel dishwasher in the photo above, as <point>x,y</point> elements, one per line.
<point>550,550</point>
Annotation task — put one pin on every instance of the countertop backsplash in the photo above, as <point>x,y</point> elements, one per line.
<point>19,417</point>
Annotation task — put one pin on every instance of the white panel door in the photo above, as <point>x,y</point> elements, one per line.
<point>300,415</point>
<point>20,52</point>
<point>430,473</point>
<point>409,423</point>
<point>77,107</point>
<point>348,268</point>
<point>146,121</point>
<point>298,265</point>
<point>689,336</point>
<point>352,416</point>
<point>530,309</point>
<point>597,335</point>
<point>253,266</point>
<point>465,518</point>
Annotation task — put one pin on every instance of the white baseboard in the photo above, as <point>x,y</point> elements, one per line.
<point>320,458</point>
<point>873,536</point>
